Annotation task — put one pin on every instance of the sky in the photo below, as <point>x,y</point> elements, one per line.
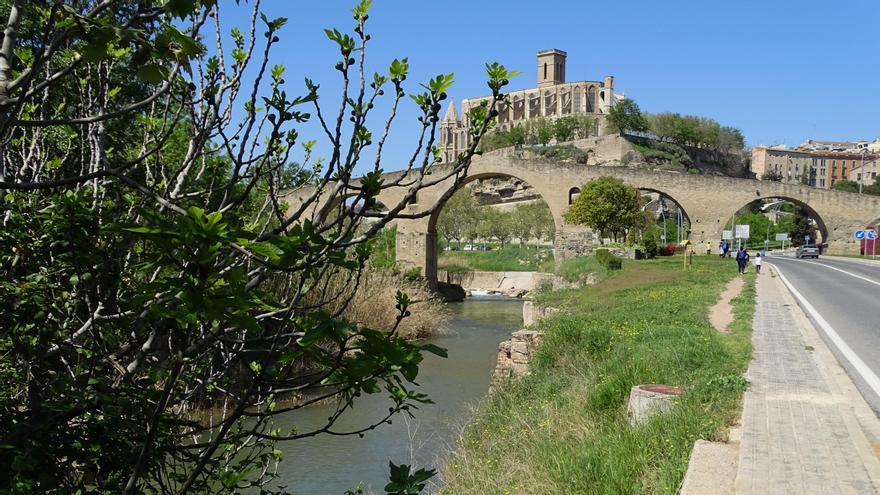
<point>781,71</point>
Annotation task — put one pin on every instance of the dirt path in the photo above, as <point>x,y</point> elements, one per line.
<point>721,314</point>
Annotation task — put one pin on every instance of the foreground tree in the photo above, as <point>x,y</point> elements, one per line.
<point>608,206</point>
<point>160,296</point>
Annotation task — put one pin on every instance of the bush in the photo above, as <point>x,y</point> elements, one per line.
<point>650,241</point>
<point>608,260</point>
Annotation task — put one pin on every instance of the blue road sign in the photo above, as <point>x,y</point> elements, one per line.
<point>807,238</point>
<point>860,234</point>
<point>871,234</point>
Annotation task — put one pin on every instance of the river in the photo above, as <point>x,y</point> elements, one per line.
<point>330,465</point>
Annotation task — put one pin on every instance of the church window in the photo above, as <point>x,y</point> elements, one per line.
<point>545,71</point>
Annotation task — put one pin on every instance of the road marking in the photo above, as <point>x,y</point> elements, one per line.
<point>861,368</point>
<point>866,279</point>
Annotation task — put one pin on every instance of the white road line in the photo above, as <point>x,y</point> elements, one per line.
<point>866,279</point>
<point>861,368</point>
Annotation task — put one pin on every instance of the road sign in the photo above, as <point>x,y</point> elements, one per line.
<point>662,237</point>
<point>781,237</point>
<point>742,231</point>
<point>807,238</point>
<point>726,235</point>
<point>871,234</point>
<point>860,234</point>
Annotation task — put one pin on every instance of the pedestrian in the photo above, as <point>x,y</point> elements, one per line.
<point>721,249</point>
<point>708,248</point>
<point>758,260</point>
<point>741,260</point>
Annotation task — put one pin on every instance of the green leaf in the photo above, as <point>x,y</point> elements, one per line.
<point>153,73</point>
<point>435,350</point>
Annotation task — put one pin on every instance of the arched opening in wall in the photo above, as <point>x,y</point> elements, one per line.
<point>573,194</point>
<point>667,215</point>
<point>775,223</point>
<point>494,222</point>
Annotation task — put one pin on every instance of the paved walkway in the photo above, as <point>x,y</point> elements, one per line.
<point>803,426</point>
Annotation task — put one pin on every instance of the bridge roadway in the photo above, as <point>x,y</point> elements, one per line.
<point>840,295</point>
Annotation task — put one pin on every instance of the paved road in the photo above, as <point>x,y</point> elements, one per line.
<point>846,295</point>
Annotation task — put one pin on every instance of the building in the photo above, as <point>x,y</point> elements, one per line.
<point>818,168</point>
<point>782,164</point>
<point>551,99</point>
<point>869,170</point>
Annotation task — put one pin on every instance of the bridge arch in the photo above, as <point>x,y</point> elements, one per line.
<point>820,223</point>
<point>431,238</point>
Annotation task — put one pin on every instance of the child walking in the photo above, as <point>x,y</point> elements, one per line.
<point>758,260</point>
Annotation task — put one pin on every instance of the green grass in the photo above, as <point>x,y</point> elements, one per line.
<point>572,268</point>
<point>564,429</point>
<point>509,259</point>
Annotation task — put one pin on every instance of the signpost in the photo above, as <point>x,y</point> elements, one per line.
<point>742,232</point>
<point>871,235</point>
<point>783,238</point>
<point>727,235</point>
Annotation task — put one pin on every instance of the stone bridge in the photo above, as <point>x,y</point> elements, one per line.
<point>708,202</point>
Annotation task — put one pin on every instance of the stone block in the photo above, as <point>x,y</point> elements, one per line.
<point>647,400</point>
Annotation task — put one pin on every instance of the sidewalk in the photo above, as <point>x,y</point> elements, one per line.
<point>804,424</point>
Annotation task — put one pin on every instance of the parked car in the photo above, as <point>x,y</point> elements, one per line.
<point>453,248</point>
<point>807,251</point>
<point>482,248</point>
<point>468,247</point>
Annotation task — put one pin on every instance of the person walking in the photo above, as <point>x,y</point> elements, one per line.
<point>742,257</point>
<point>758,260</point>
<point>721,249</point>
<point>708,248</point>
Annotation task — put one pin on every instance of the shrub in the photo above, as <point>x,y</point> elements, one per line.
<point>650,242</point>
<point>608,260</point>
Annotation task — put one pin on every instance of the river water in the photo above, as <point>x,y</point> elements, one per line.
<point>330,465</point>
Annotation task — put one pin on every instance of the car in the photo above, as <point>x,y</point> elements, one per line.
<point>482,248</point>
<point>468,247</point>
<point>807,251</point>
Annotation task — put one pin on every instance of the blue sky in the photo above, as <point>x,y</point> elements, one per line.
<point>782,71</point>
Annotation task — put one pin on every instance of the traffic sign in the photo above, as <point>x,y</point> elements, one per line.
<point>726,235</point>
<point>742,231</point>
<point>807,238</point>
<point>860,234</point>
<point>781,237</point>
<point>871,234</point>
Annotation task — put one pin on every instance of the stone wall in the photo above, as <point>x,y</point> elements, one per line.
<point>515,356</point>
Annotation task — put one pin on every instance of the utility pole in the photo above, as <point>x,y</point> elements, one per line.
<point>862,171</point>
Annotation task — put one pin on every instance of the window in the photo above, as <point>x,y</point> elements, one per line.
<point>822,182</point>
<point>545,71</point>
<point>577,100</point>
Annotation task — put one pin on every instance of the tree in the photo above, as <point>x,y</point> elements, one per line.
<point>150,267</point>
<point>607,205</point>
<point>496,224</point>
<point>625,116</point>
<point>772,175</point>
<point>846,186</point>
<point>521,224</point>
<point>459,215</point>
<point>565,128</point>
<point>803,226</point>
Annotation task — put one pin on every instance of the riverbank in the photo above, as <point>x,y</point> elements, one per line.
<point>564,428</point>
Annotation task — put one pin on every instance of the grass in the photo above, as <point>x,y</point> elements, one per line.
<point>564,428</point>
<point>572,269</point>
<point>511,258</point>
